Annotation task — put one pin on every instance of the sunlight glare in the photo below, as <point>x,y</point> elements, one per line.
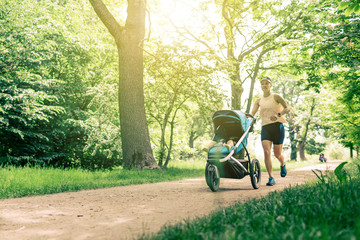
<point>169,17</point>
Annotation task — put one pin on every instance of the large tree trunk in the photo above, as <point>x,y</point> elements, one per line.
<point>136,144</point>
<point>136,147</point>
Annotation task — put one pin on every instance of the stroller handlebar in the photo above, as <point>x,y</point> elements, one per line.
<point>249,115</point>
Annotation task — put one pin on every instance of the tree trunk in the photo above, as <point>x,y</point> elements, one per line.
<point>136,144</point>
<point>191,139</point>
<point>351,150</point>
<point>236,92</point>
<point>254,76</point>
<point>162,147</point>
<point>303,139</point>
<point>136,147</point>
<point>248,108</point>
<point>302,150</point>
<point>192,136</point>
<point>293,154</point>
<point>172,124</point>
<point>292,135</point>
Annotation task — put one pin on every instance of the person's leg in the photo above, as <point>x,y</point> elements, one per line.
<point>279,135</point>
<point>278,153</point>
<point>266,144</point>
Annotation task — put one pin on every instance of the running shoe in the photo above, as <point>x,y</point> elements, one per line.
<point>271,182</point>
<point>283,171</point>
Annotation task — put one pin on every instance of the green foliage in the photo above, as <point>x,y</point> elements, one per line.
<point>313,147</point>
<point>178,86</point>
<point>340,172</point>
<point>27,105</point>
<point>335,154</point>
<point>329,56</point>
<point>350,7</point>
<point>49,68</point>
<point>323,178</point>
<point>308,117</point>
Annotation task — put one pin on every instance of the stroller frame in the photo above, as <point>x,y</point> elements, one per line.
<point>252,168</point>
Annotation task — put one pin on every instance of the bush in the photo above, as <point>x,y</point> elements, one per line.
<point>313,147</point>
<point>336,151</point>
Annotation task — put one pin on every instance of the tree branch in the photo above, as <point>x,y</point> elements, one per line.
<point>247,52</point>
<point>107,18</point>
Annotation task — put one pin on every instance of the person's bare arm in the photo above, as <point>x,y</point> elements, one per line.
<point>283,103</point>
<point>255,107</point>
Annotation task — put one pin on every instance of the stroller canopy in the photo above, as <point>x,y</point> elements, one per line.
<point>235,118</point>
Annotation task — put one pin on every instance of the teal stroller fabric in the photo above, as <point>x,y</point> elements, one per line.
<point>229,124</point>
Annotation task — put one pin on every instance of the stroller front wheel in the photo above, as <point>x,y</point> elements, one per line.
<point>255,173</point>
<point>212,177</point>
<point>207,174</point>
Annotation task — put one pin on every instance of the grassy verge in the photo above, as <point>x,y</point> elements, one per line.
<point>26,181</point>
<point>325,209</point>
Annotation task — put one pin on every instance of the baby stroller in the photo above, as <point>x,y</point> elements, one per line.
<point>233,163</point>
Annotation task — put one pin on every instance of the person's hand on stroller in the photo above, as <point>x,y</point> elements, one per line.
<point>248,115</point>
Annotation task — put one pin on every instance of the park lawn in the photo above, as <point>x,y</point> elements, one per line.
<point>324,209</point>
<point>27,181</point>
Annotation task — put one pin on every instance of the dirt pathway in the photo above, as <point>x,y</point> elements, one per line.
<point>126,212</point>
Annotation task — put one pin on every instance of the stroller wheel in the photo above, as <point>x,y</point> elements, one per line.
<point>255,173</point>
<point>207,174</point>
<point>213,179</point>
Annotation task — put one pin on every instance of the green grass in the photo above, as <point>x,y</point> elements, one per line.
<point>26,181</point>
<point>326,209</point>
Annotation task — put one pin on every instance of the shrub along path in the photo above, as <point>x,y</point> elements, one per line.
<point>127,212</point>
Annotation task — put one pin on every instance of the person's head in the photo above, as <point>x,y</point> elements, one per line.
<point>266,84</point>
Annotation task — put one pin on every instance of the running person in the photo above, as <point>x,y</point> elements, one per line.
<point>273,107</point>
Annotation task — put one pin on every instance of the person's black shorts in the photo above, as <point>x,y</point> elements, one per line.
<point>273,132</point>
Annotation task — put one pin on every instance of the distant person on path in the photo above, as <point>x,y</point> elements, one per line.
<point>273,107</point>
<point>322,157</point>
